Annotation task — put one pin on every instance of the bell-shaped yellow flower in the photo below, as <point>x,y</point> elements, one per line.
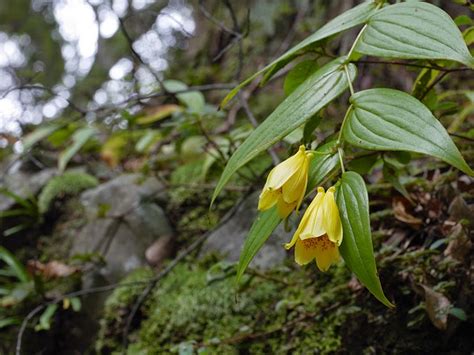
<point>320,232</point>
<point>286,184</point>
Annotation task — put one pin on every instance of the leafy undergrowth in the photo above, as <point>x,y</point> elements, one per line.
<point>424,258</point>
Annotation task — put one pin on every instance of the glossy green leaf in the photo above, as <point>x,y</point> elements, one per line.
<point>351,18</point>
<point>414,30</point>
<point>386,119</point>
<point>309,128</point>
<point>356,248</point>
<point>322,165</point>
<point>298,75</point>
<point>79,138</point>
<point>262,227</point>
<point>364,164</point>
<point>308,98</point>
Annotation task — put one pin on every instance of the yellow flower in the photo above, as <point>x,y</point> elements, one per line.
<point>320,232</point>
<point>286,184</point>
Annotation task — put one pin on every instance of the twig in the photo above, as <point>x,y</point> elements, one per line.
<point>435,67</point>
<point>462,137</point>
<point>432,85</point>
<point>137,98</point>
<point>130,41</point>
<point>216,22</point>
<point>49,91</point>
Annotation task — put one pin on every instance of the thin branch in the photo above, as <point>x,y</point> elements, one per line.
<point>137,98</point>
<point>432,85</point>
<point>216,22</point>
<point>433,66</point>
<point>461,137</point>
<point>130,42</point>
<point>49,91</point>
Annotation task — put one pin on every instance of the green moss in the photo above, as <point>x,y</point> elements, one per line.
<point>70,183</point>
<point>203,310</point>
<point>118,305</point>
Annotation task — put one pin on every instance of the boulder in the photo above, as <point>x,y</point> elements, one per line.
<point>228,239</point>
<point>22,182</point>
<point>123,220</point>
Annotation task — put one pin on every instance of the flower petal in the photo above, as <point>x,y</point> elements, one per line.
<point>284,209</point>
<point>306,218</point>
<point>314,226</point>
<point>305,251</point>
<point>286,169</point>
<point>331,219</point>
<point>327,253</point>
<point>268,198</point>
<point>294,188</point>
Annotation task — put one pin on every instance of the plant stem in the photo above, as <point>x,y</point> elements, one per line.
<point>341,152</point>
<point>339,137</point>
<point>348,77</point>
<point>355,42</point>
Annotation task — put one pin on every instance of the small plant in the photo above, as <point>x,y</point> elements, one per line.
<point>69,183</point>
<point>25,213</point>
<point>377,120</point>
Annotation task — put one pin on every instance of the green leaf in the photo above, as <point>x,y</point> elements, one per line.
<point>6,322</point>
<point>14,264</point>
<point>79,138</point>
<point>414,30</point>
<point>147,141</point>
<point>459,313</point>
<point>463,20</point>
<point>25,202</point>
<point>311,96</point>
<point>356,248</point>
<point>262,227</point>
<point>364,164</point>
<point>298,75</point>
<point>392,175</point>
<point>46,317</point>
<point>38,134</point>
<point>322,165</point>
<point>194,100</point>
<point>76,304</point>
<point>386,119</point>
<point>310,127</point>
<point>351,18</point>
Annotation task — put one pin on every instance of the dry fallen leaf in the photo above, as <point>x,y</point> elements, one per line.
<point>437,307</point>
<point>459,209</point>
<point>52,269</point>
<point>402,215</point>
<point>459,245</point>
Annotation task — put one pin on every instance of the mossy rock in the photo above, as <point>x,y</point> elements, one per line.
<point>202,311</point>
<point>70,183</point>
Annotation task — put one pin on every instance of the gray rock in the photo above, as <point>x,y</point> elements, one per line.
<point>229,238</point>
<point>123,220</point>
<point>23,183</point>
